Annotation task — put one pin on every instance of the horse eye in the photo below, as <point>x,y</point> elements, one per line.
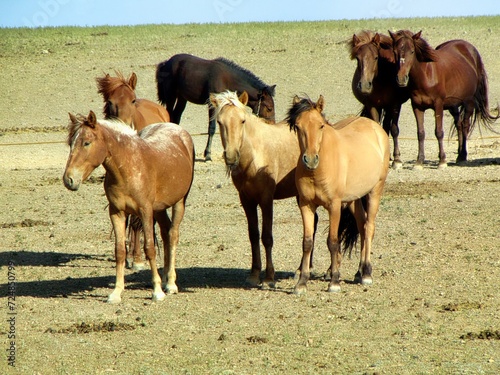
<point>133,101</point>
<point>86,143</point>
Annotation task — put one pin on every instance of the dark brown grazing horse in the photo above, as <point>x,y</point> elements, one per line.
<point>374,83</point>
<point>261,159</point>
<point>120,101</point>
<point>343,168</point>
<point>187,78</point>
<point>451,77</point>
<point>146,173</point>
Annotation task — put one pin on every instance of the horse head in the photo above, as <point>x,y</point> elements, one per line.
<point>265,104</point>
<point>306,118</point>
<point>119,96</point>
<point>86,153</point>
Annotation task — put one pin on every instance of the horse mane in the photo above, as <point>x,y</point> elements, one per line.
<point>227,98</point>
<point>253,79</point>
<point>107,85</point>
<point>304,104</point>
<point>365,37</point>
<point>423,50</point>
<point>81,120</point>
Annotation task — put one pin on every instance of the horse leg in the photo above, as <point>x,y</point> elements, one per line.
<point>177,110</point>
<point>267,241</point>
<point>419,117</point>
<point>308,217</point>
<point>250,209</point>
<point>118,220</point>
<point>334,245</point>
<point>392,118</point>
<point>439,132</point>
<point>150,250</point>
<point>211,132</point>
<point>328,273</point>
<point>135,230</point>
<point>172,239</point>
<point>465,125</point>
<point>455,112</point>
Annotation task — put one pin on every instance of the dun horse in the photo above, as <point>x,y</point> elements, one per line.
<point>146,173</point>
<point>343,168</point>
<point>451,77</point>
<point>374,83</point>
<point>120,101</point>
<point>261,159</point>
<point>186,78</point>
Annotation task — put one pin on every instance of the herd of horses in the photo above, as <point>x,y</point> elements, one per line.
<point>149,159</point>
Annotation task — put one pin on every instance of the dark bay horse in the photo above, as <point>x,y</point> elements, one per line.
<point>374,83</point>
<point>451,77</point>
<point>261,159</point>
<point>120,101</point>
<point>187,78</point>
<point>342,167</point>
<point>146,173</point>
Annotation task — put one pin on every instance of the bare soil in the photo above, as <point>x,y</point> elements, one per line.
<point>433,307</point>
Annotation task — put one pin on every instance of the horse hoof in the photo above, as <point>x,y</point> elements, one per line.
<point>114,299</point>
<point>138,267</point>
<point>334,288</point>
<point>252,281</point>
<point>418,167</point>
<point>442,165</point>
<point>159,296</point>
<point>397,165</point>
<point>268,285</point>
<point>366,281</point>
<point>300,290</point>
<point>171,289</point>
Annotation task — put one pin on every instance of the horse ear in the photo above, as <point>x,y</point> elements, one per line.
<point>271,89</point>
<point>355,40</point>
<point>91,119</point>
<point>132,81</point>
<point>72,118</point>
<point>376,39</point>
<point>320,104</point>
<point>393,36</point>
<point>243,98</point>
<point>296,100</point>
<point>417,35</point>
<point>213,100</point>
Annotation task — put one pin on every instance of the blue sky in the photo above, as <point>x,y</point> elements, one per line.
<point>41,13</point>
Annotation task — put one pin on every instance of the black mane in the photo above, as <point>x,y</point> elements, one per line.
<point>251,77</point>
<point>303,105</point>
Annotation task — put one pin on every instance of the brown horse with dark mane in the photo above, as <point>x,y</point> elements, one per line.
<point>451,77</point>
<point>342,167</point>
<point>120,102</point>
<point>187,78</point>
<point>374,83</point>
<point>146,173</point>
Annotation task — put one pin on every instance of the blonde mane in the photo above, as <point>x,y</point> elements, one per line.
<point>226,98</point>
<point>115,125</point>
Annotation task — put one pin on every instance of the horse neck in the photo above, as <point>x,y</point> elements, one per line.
<point>121,150</point>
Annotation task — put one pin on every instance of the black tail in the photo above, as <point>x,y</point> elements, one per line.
<point>164,82</point>
<point>348,229</point>
<point>482,112</point>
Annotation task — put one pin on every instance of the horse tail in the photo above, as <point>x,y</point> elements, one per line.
<point>348,229</point>
<point>481,106</point>
<point>165,83</point>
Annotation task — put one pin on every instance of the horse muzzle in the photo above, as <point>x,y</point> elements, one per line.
<point>71,183</point>
<point>403,81</point>
<point>310,162</point>
<point>365,87</point>
<point>232,159</point>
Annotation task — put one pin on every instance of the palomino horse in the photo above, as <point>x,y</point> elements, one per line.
<point>187,78</point>
<point>451,77</point>
<point>343,168</point>
<point>374,83</point>
<point>146,173</point>
<point>261,159</point>
<point>120,102</point>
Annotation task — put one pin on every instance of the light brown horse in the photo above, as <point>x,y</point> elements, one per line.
<point>146,173</point>
<point>261,159</point>
<point>120,101</point>
<point>343,168</point>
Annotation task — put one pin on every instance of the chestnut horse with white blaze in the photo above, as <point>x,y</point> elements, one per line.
<point>146,173</point>
<point>342,167</point>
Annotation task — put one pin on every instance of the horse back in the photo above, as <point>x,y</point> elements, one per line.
<point>149,113</point>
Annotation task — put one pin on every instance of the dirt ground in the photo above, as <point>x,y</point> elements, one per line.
<point>433,307</point>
